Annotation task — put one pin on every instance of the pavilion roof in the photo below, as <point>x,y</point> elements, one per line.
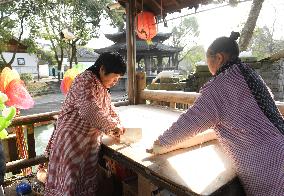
<point>170,6</point>
<point>121,37</point>
<point>142,48</point>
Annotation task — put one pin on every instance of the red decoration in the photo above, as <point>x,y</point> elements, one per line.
<point>146,25</point>
<point>18,96</point>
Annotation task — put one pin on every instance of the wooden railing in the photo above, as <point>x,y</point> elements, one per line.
<point>172,99</point>
<point>179,99</point>
<point>28,123</point>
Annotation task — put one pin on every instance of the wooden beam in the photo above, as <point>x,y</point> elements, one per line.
<point>24,163</point>
<point>121,103</point>
<point>131,50</point>
<point>177,3</point>
<point>170,96</point>
<point>182,97</point>
<point>280,106</point>
<point>30,119</point>
<point>157,4</point>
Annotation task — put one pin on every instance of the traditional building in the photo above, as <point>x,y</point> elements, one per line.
<point>149,57</point>
<point>24,62</point>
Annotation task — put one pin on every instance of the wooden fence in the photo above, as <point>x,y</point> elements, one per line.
<point>172,99</point>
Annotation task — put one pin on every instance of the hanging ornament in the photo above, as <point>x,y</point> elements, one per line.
<point>69,76</point>
<point>146,26</point>
<point>14,88</point>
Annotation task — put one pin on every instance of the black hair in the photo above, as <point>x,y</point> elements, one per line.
<point>227,45</point>
<point>112,62</point>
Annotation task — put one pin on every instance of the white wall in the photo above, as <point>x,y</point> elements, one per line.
<point>87,64</point>
<point>30,65</point>
<point>43,70</point>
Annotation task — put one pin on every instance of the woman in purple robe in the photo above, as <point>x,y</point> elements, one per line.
<point>238,105</point>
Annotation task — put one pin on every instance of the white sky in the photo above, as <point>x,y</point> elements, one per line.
<point>216,23</point>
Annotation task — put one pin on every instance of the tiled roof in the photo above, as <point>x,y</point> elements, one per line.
<point>142,48</point>
<point>121,37</point>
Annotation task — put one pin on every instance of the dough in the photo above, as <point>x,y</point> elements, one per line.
<point>198,139</point>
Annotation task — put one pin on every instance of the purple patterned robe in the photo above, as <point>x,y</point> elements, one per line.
<point>254,144</point>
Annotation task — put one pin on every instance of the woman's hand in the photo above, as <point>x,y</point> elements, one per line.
<point>117,132</point>
<point>156,143</point>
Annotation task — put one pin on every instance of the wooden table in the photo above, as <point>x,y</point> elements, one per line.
<point>200,170</point>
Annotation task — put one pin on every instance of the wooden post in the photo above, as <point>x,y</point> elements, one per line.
<point>145,187</point>
<point>10,149</point>
<point>31,141</point>
<point>173,105</point>
<point>141,85</point>
<point>131,50</point>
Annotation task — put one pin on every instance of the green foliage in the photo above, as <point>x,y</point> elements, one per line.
<point>26,77</point>
<point>6,24</point>
<point>6,115</point>
<point>14,17</point>
<point>37,88</point>
<point>184,35</point>
<point>185,32</point>
<point>196,54</point>
<point>263,44</point>
<point>48,56</point>
<point>82,18</point>
<point>32,45</point>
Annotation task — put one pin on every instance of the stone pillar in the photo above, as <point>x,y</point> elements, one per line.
<point>159,64</point>
<point>147,62</point>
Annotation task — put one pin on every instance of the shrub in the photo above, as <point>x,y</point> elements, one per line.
<point>26,77</point>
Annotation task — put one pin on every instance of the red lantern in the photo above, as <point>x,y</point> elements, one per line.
<point>146,25</point>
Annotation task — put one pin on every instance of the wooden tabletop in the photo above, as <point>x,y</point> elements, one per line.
<point>201,169</point>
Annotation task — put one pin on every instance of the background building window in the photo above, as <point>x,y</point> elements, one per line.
<point>21,61</point>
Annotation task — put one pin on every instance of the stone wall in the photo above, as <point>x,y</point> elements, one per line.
<point>272,73</point>
<point>198,79</point>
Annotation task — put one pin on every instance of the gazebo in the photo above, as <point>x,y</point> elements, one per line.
<point>152,54</point>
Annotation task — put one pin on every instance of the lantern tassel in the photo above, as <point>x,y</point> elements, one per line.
<point>149,42</point>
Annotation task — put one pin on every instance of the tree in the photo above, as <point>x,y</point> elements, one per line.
<point>14,15</point>
<point>197,54</point>
<point>81,18</point>
<point>184,36</point>
<point>263,44</point>
<point>247,31</point>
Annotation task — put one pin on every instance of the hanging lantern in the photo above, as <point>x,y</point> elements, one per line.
<point>146,26</point>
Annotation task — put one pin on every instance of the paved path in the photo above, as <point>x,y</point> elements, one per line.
<point>53,102</point>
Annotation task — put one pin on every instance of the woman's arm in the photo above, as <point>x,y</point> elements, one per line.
<point>113,113</point>
<point>200,138</point>
<point>203,115</point>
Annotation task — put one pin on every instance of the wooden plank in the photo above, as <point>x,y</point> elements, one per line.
<point>280,106</point>
<point>24,163</point>
<point>30,119</point>
<point>182,97</point>
<point>188,169</point>
<point>170,96</point>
